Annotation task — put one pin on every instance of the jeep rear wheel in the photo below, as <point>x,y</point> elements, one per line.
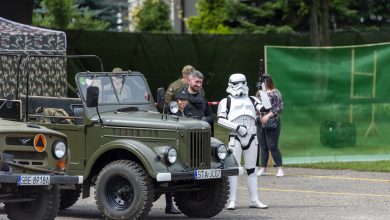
<point>204,203</point>
<point>43,205</point>
<point>124,191</point>
<point>69,197</point>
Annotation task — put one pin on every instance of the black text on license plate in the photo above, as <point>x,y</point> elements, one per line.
<point>33,180</point>
<point>207,174</point>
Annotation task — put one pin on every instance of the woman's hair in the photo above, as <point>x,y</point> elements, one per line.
<point>269,83</point>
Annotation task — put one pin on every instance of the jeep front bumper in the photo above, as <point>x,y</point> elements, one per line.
<point>53,179</point>
<point>189,175</point>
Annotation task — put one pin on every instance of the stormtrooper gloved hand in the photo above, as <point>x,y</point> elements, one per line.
<point>242,131</point>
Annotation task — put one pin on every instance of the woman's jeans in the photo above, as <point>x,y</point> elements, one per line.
<point>268,142</point>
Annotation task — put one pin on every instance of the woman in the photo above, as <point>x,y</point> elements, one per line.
<point>268,136</point>
<point>182,101</point>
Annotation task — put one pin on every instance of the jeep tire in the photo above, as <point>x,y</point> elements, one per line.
<point>124,191</point>
<point>204,203</point>
<point>69,197</point>
<point>44,207</point>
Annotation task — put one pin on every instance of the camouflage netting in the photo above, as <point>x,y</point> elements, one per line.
<point>47,75</point>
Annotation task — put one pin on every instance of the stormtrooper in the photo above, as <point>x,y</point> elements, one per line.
<point>237,113</point>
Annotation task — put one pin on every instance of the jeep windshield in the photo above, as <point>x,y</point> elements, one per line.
<point>115,88</point>
<point>118,92</point>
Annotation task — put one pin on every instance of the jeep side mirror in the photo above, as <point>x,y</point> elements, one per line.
<point>8,102</point>
<point>160,99</point>
<point>92,96</point>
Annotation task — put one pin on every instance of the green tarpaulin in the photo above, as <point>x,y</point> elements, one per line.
<point>337,94</point>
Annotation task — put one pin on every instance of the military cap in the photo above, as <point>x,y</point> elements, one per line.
<point>181,94</point>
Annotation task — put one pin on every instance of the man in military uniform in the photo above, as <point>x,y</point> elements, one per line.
<point>180,83</point>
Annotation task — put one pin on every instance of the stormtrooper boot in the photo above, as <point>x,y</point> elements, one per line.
<point>252,187</point>
<point>233,192</point>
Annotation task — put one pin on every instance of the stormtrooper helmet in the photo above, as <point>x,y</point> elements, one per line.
<point>237,85</point>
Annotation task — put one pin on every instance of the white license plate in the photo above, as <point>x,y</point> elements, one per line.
<point>207,174</point>
<point>33,180</point>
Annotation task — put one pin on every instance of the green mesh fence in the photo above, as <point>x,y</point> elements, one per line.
<point>337,106</point>
<point>316,83</point>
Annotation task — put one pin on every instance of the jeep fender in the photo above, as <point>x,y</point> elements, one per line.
<point>149,158</point>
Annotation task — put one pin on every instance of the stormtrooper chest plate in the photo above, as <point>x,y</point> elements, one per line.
<point>240,107</point>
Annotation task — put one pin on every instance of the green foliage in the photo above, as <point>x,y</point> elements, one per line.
<point>65,14</point>
<point>230,16</point>
<point>284,16</point>
<point>85,19</point>
<point>153,17</point>
<point>363,14</point>
<point>377,166</point>
<point>58,13</point>
<point>211,19</point>
<point>108,11</point>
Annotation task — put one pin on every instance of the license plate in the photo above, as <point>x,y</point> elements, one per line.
<point>207,174</point>
<point>33,180</point>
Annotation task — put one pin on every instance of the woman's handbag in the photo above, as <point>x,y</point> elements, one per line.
<point>272,123</point>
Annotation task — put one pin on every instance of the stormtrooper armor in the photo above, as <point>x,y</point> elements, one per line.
<point>237,113</point>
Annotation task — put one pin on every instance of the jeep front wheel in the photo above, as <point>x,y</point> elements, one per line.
<point>124,191</point>
<point>204,203</point>
<point>41,204</point>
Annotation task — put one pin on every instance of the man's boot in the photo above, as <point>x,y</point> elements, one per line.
<point>170,208</point>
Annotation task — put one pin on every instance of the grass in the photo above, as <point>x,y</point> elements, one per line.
<point>376,166</point>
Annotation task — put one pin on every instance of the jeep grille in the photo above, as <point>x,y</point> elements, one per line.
<point>25,141</point>
<point>28,158</point>
<point>200,148</point>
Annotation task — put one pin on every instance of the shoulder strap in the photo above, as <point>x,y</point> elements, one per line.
<point>228,101</point>
<point>253,100</point>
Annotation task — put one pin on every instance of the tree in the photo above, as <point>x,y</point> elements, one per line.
<point>364,14</point>
<point>257,16</point>
<point>153,16</point>
<point>211,19</point>
<point>113,12</point>
<point>318,17</point>
<point>231,16</point>
<point>321,13</point>
<point>65,14</point>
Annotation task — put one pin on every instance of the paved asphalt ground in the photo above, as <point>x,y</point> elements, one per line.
<point>303,194</point>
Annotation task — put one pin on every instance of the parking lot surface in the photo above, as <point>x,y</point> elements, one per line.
<point>302,194</point>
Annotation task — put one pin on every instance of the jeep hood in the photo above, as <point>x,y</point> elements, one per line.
<point>19,127</point>
<point>151,120</point>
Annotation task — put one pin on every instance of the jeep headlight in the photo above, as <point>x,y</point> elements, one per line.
<point>171,155</point>
<point>59,149</point>
<point>221,152</point>
<point>174,107</point>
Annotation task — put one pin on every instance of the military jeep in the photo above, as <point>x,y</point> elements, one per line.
<point>33,163</point>
<point>132,154</point>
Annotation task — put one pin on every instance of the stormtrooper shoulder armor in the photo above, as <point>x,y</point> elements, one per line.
<point>222,109</point>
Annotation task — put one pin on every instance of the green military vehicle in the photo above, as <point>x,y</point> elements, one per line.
<point>132,154</point>
<point>33,163</point>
